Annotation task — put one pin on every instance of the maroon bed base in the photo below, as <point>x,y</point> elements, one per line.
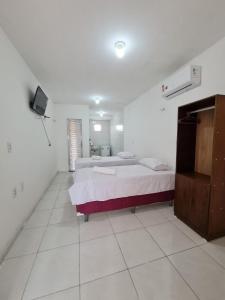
<point>126,202</point>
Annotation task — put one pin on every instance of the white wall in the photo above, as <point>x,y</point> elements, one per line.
<point>32,161</point>
<point>117,137</point>
<point>100,137</point>
<point>150,132</point>
<point>63,113</point>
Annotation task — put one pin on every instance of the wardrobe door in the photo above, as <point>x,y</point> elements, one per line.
<point>199,206</point>
<point>217,207</point>
<point>217,212</point>
<point>183,195</point>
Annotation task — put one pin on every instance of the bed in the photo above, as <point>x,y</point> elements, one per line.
<point>104,161</point>
<point>131,186</point>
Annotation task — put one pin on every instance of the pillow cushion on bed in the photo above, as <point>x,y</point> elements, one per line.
<point>154,163</point>
<point>96,157</point>
<point>104,170</point>
<point>125,155</point>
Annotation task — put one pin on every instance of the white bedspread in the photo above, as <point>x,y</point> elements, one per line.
<point>129,181</point>
<point>105,161</point>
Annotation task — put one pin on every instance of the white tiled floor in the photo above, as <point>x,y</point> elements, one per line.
<point>115,256</point>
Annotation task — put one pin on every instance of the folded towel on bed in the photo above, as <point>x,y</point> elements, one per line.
<point>104,170</point>
<point>96,157</point>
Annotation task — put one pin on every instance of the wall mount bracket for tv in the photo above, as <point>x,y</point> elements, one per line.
<point>42,118</point>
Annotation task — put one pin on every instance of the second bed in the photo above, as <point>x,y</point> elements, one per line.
<point>103,161</point>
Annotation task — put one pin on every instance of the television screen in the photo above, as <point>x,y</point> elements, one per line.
<point>40,102</point>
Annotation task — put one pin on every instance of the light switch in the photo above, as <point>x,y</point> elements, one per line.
<point>9,147</point>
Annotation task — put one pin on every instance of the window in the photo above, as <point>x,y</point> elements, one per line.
<point>119,127</point>
<point>97,127</point>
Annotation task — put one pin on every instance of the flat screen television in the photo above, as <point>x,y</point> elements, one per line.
<point>40,102</point>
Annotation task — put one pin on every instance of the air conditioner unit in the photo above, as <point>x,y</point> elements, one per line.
<point>182,81</point>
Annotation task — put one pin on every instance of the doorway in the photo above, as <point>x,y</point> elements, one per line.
<point>75,149</point>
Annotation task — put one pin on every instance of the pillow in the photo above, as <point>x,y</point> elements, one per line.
<point>125,155</point>
<point>96,157</point>
<point>154,163</point>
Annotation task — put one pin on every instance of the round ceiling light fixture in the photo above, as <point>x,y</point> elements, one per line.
<point>97,99</point>
<point>120,48</point>
<point>101,113</point>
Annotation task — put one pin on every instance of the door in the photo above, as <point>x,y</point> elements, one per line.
<point>199,208</point>
<point>183,194</point>
<point>74,131</point>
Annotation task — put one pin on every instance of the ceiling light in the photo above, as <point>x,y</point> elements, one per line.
<point>101,114</point>
<point>97,99</point>
<point>120,47</point>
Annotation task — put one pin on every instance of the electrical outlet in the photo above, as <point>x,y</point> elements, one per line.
<point>14,193</point>
<point>9,147</point>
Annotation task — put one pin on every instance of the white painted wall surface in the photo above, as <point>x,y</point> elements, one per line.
<point>32,161</point>
<point>150,132</point>
<point>117,137</point>
<point>63,113</point>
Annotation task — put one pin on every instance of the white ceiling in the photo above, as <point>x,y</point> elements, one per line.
<point>69,44</point>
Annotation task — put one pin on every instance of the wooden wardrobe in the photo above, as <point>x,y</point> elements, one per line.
<point>200,171</point>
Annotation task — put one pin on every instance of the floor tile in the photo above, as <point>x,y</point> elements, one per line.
<point>51,194</point>
<point>59,179</point>
<point>63,199</point>
<point>27,242</point>
<point>61,215</point>
<point>158,280</point>
<point>47,201</point>
<point>170,238</point>
<point>38,218</point>
<point>150,217</point>
<point>53,271</point>
<point>138,247</point>
<point>60,235</point>
<point>13,277</point>
<point>54,186</point>
<point>189,232</point>
<point>66,185</point>
<point>114,287</point>
<point>202,273</point>
<point>70,294</point>
<point>97,226</point>
<point>99,258</point>
<point>168,212</point>
<point>123,221</point>
<point>216,249</point>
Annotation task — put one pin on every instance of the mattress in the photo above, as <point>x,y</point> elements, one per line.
<point>130,180</point>
<point>105,161</point>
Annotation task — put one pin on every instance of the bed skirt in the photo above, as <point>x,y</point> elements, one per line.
<point>126,202</point>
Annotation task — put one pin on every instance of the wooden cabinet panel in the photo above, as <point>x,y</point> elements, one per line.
<point>204,142</point>
<point>199,206</point>
<point>217,211</point>
<point>183,194</point>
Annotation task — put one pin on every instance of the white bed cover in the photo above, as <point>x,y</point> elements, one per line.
<point>129,180</point>
<point>104,161</point>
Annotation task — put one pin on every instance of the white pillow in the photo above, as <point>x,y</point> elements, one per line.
<point>154,163</point>
<point>125,155</point>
